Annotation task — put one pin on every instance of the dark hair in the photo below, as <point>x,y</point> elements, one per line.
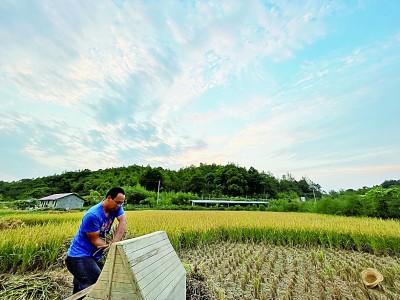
<point>114,192</point>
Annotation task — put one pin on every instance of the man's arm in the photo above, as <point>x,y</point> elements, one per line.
<point>121,229</point>
<point>95,239</point>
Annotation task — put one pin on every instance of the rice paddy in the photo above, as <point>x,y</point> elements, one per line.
<point>36,242</point>
<point>265,271</point>
<point>242,254</point>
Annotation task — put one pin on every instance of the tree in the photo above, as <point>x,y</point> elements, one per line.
<point>150,179</point>
<point>389,183</point>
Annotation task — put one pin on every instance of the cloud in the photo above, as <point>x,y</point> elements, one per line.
<point>308,126</point>
<point>181,83</point>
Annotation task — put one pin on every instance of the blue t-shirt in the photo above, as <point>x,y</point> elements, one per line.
<point>94,220</point>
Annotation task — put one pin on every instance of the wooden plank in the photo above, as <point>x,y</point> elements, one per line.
<point>92,298</point>
<point>111,255</point>
<point>130,274</point>
<point>156,290</point>
<point>124,296</point>
<point>134,252</point>
<point>131,248</point>
<point>144,254</point>
<point>148,262</point>
<point>98,292</point>
<point>81,293</point>
<point>123,287</point>
<point>120,275</point>
<point>121,278</point>
<point>149,235</point>
<point>175,286</point>
<point>145,281</point>
<point>156,267</point>
<point>154,281</point>
<point>179,291</point>
<point>143,240</point>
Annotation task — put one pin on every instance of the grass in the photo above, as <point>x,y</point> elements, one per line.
<point>37,244</point>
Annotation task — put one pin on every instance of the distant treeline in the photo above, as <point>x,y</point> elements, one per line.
<point>177,188</point>
<point>380,201</point>
<point>205,181</point>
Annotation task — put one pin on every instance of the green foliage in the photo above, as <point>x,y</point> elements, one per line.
<point>25,204</point>
<point>386,201</point>
<point>93,198</point>
<point>205,180</point>
<point>149,201</point>
<point>181,198</point>
<point>287,201</point>
<point>376,202</point>
<point>389,183</point>
<point>138,195</point>
<point>150,178</point>
<point>211,181</point>
<point>284,205</point>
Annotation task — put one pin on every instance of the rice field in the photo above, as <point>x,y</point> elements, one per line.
<point>35,240</point>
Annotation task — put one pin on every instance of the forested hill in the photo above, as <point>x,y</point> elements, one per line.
<point>208,180</point>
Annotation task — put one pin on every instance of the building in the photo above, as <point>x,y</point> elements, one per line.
<point>228,203</point>
<point>66,200</point>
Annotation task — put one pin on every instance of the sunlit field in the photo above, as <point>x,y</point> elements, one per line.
<point>32,241</point>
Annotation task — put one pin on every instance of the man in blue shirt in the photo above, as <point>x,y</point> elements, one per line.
<point>89,242</point>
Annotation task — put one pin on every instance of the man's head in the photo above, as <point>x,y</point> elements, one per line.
<point>115,198</point>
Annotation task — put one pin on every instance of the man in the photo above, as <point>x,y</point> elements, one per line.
<point>89,242</point>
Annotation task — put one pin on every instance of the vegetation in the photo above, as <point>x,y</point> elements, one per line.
<point>204,181</point>
<point>373,202</point>
<point>50,285</point>
<point>177,188</point>
<point>37,243</point>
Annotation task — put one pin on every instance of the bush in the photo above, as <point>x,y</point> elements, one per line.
<point>25,204</point>
<point>181,198</point>
<point>136,194</point>
<point>385,203</point>
<point>150,201</point>
<point>278,205</point>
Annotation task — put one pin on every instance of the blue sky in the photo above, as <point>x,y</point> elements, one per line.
<point>306,87</point>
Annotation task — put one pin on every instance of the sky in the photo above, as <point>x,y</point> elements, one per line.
<point>310,88</point>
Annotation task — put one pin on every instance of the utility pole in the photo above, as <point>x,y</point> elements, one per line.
<point>158,191</point>
<point>311,184</point>
<point>313,192</point>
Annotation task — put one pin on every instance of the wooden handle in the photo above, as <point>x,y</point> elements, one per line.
<point>80,294</point>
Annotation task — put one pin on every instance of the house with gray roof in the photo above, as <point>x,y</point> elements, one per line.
<point>65,200</point>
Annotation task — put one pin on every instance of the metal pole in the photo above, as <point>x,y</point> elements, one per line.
<point>158,191</point>
<point>313,193</point>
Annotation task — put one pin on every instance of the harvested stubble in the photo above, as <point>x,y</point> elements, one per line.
<point>39,286</point>
<point>291,272</point>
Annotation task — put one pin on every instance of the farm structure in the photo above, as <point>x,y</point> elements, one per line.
<point>228,203</point>
<point>65,200</point>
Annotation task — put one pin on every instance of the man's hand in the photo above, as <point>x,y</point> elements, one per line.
<point>103,246</point>
<point>121,229</point>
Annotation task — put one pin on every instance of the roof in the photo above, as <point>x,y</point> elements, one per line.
<point>59,196</point>
<point>229,202</point>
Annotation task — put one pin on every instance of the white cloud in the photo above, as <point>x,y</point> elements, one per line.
<point>134,72</point>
